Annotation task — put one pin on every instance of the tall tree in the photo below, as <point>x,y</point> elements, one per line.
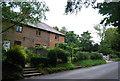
<point>100,30</point>
<point>71,37</point>
<point>26,12</point>
<point>86,42</point>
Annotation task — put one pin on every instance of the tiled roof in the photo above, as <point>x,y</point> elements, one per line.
<point>45,27</point>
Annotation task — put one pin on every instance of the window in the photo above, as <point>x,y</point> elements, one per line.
<point>17,42</point>
<point>56,37</point>
<point>38,32</point>
<point>19,28</point>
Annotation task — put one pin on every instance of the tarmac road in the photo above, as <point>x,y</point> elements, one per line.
<point>105,71</point>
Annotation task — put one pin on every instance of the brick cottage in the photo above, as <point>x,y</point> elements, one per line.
<point>32,35</point>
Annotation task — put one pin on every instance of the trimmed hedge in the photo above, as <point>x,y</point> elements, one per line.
<point>87,55</point>
<point>57,55</point>
<point>82,55</point>
<point>39,61</point>
<point>95,56</point>
<point>52,57</point>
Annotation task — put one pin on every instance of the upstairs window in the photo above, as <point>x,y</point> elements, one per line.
<point>19,28</point>
<point>38,32</point>
<point>56,37</point>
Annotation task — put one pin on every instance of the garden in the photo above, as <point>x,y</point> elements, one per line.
<point>60,58</point>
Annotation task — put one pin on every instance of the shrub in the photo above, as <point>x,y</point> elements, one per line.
<point>39,50</point>
<point>52,55</point>
<point>75,59</point>
<point>62,55</point>
<point>82,55</point>
<point>11,71</point>
<point>61,45</point>
<point>57,55</point>
<point>39,60</point>
<point>29,54</point>
<point>89,63</point>
<point>95,55</point>
<point>16,55</point>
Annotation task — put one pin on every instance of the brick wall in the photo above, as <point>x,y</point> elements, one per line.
<point>53,41</point>
<point>28,36</point>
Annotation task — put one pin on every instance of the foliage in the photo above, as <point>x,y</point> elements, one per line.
<point>82,55</point>
<point>96,47</point>
<point>112,38</point>
<point>108,9</point>
<point>61,55</point>
<point>26,12</point>
<point>16,55</point>
<point>111,10</point>
<point>39,50</point>
<point>61,45</point>
<point>95,56</point>
<point>100,30</point>
<point>73,6</point>
<point>29,11</point>
<point>39,61</point>
<point>61,67</point>
<point>89,63</point>
<point>11,71</point>
<point>116,59</point>
<point>52,55</point>
<point>29,54</point>
<point>86,42</point>
<point>57,55</point>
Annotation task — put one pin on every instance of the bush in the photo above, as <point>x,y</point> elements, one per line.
<point>39,50</point>
<point>52,55</point>
<point>16,55</point>
<point>61,45</point>
<point>82,55</point>
<point>39,61</point>
<point>29,55</point>
<point>11,71</point>
<point>62,55</point>
<point>95,56</point>
<point>89,63</point>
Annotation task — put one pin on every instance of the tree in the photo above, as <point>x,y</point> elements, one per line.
<point>73,6</point>
<point>111,42</point>
<point>56,28</point>
<point>26,12</point>
<point>109,9</point>
<point>71,37</point>
<point>112,38</point>
<point>86,42</point>
<point>63,30</point>
<point>112,12</point>
<point>100,31</point>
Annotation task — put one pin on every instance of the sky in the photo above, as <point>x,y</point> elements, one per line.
<point>84,21</point>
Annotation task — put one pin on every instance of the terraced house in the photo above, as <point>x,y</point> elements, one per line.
<point>32,35</point>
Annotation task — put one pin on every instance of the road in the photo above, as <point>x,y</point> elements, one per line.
<point>105,71</point>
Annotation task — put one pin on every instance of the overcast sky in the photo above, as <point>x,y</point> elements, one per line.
<point>85,20</point>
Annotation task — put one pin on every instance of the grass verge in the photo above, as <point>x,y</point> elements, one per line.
<point>59,67</point>
<point>116,59</point>
<point>89,63</point>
